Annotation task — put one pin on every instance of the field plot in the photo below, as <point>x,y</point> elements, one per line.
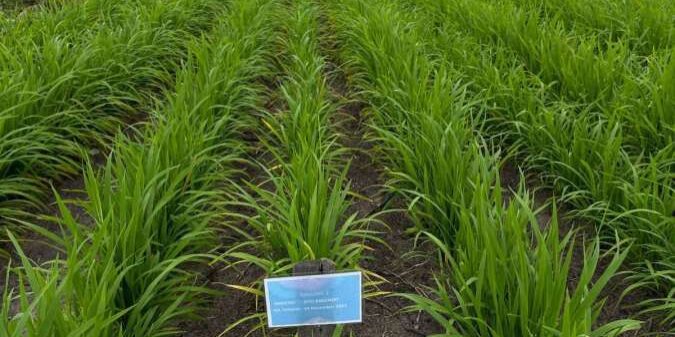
<point>493,168</point>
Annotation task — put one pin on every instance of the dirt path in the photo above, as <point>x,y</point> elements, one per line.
<point>407,269</point>
<point>35,246</point>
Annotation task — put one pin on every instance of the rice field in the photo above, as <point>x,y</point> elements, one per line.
<point>494,168</point>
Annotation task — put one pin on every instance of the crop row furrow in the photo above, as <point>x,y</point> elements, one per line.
<point>425,143</point>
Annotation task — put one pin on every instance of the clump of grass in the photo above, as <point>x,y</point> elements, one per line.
<point>55,300</point>
<point>646,25</point>
<point>421,118</point>
<point>611,79</point>
<point>506,276</point>
<point>299,211</point>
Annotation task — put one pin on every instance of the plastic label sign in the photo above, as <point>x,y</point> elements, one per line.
<point>314,299</point>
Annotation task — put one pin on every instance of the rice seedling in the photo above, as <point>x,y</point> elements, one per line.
<point>422,132</point>
<point>155,201</point>
<point>507,277</point>
<point>579,93</point>
<point>299,211</point>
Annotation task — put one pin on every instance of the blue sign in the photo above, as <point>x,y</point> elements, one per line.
<point>313,299</point>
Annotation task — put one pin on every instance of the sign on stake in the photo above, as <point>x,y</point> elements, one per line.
<point>314,299</point>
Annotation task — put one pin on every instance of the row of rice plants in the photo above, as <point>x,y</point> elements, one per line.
<point>155,203</point>
<point>299,210</point>
<point>63,19</point>
<point>9,7</point>
<point>64,84</point>
<point>580,154</point>
<point>645,25</point>
<point>503,275</point>
<point>635,92</point>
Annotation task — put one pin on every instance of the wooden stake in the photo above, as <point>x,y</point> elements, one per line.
<point>323,266</point>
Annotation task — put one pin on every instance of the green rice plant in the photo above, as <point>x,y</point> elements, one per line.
<point>611,79</point>
<point>299,223</point>
<point>58,92</point>
<point>546,48</point>
<point>300,210</point>
<point>420,118</point>
<point>176,174</point>
<point>64,297</point>
<point>506,276</point>
<point>78,21</point>
<point>156,201</point>
<point>583,158</point>
<point>646,25</point>
<point>580,152</point>
<point>418,123</point>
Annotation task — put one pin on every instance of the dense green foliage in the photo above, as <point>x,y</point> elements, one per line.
<point>300,210</point>
<point>220,125</point>
<point>497,257</point>
<point>155,201</point>
<point>69,77</point>
<point>587,149</point>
